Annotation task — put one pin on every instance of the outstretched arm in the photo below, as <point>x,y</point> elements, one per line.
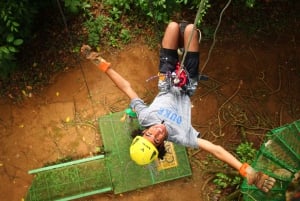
<point>105,66</point>
<point>121,83</point>
<point>259,179</point>
<point>220,153</point>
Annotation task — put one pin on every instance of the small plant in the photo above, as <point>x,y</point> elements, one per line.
<point>224,181</point>
<point>125,36</point>
<point>106,30</point>
<point>246,152</point>
<point>95,28</point>
<point>7,53</point>
<point>15,21</point>
<point>74,6</point>
<point>124,5</point>
<point>250,3</point>
<point>115,13</point>
<point>113,41</point>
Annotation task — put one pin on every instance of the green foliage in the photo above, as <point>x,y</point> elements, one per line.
<point>75,6</point>
<point>246,153</point>
<point>95,28</point>
<point>15,25</point>
<point>120,4</point>
<point>224,181</point>
<point>107,30</point>
<point>250,3</point>
<point>115,13</point>
<point>16,20</point>
<point>205,7</point>
<point>7,53</point>
<point>158,10</point>
<point>125,36</point>
<point>114,27</point>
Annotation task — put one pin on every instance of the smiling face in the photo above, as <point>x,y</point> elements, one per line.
<point>156,134</point>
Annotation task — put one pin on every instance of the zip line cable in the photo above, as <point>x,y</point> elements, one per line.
<point>215,33</point>
<point>76,58</point>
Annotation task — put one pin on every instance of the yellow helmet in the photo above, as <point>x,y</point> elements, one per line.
<point>142,151</point>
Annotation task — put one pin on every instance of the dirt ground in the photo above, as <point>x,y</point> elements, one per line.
<point>60,120</point>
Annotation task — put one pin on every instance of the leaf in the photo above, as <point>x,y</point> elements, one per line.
<point>12,49</point>
<point>4,49</point>
<point>10,38</point>
<point>68,119</point>
<point>18,41</point>
<point>8,23</point>
<point>16,24</point>
<point>24,93</point>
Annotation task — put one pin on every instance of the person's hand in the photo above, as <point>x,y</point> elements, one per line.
<point>85,50</point>
<point>259,179</point>
<point>95,58</point>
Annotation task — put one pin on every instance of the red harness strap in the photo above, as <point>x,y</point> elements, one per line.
<point>181,75</point>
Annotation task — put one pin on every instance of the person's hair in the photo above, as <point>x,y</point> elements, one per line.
<point>161,148</point>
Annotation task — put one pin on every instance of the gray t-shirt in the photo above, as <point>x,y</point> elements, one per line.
<point>174,108</point>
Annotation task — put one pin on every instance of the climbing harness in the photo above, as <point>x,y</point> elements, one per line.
<point>179,76</point>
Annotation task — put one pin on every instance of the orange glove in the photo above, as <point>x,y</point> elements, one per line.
<point>259,179</point>
<point>95,58</point>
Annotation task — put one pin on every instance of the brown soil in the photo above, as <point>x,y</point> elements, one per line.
<point>36,131</point>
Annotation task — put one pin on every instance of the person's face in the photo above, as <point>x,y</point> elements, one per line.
<point>156,134</point>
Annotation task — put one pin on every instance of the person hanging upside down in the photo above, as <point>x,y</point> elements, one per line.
<point>168,117</point>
